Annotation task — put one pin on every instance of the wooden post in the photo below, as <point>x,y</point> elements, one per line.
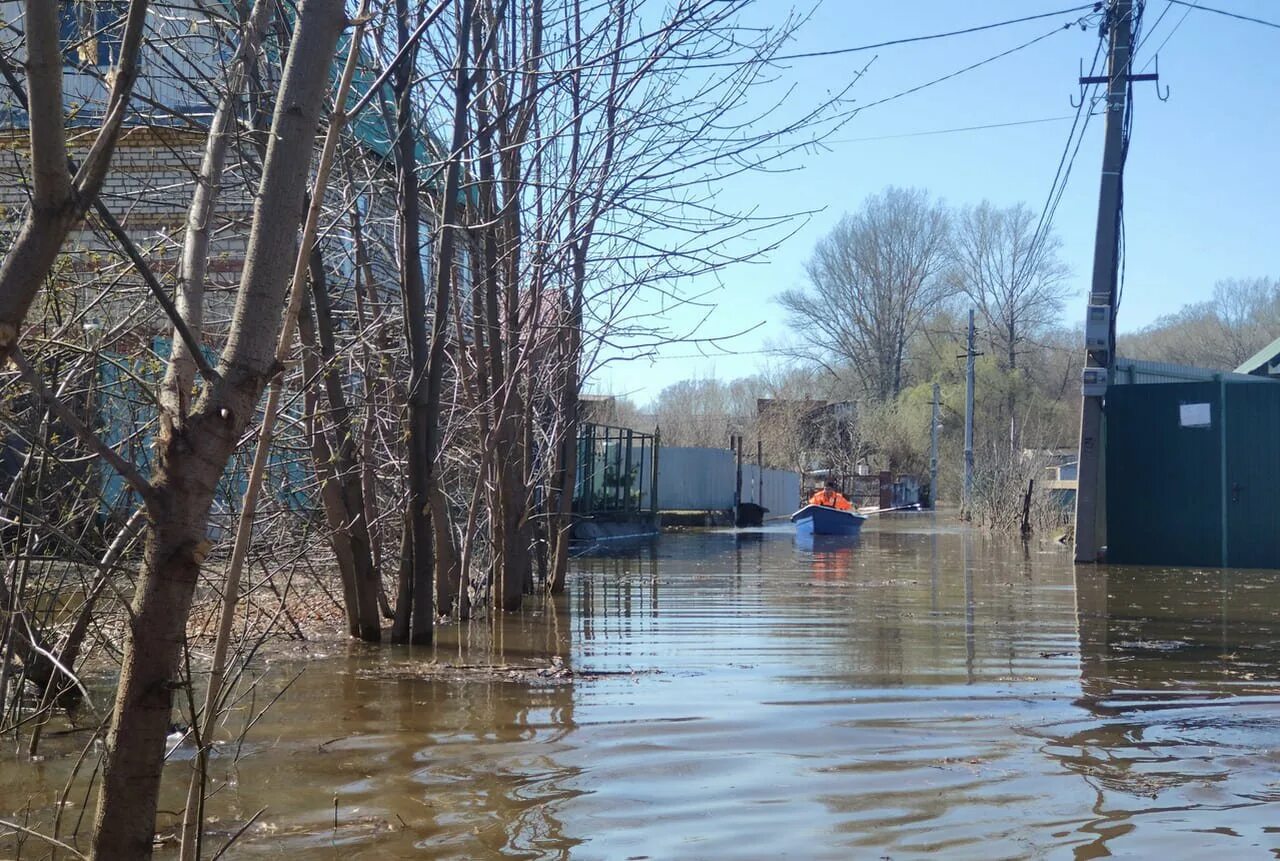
<point>737,485</point>
<point>1026,509</point>
<point>759,471</point>
<point>653,481</point>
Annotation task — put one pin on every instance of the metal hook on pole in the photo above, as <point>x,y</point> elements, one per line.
<point>1164,97</point>
<point>1072,99</point>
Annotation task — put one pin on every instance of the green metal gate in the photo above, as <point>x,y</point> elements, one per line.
<point>1193,474</point>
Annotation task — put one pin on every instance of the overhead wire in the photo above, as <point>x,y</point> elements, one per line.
<point>1190,8</point>
<point>836,52</point>
<point>1236,15</point>
<point>958,72</point>
<point>1156,26</point>
<point>1066,161</point>
<point>985,126</point>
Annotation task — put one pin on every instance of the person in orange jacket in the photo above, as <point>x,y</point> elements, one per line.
<point>830,497</point>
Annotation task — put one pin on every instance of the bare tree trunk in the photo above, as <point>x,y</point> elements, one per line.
<point>569,412</point>
<point>446,258</point>
<point>191,459</point>
<point>581,230</point>
<point>447,562</point>
<point>415,613</point>
<point>378,387</point>
<point>322,459</point>
<point>366,582</point>
<point>404,577</point>
<point>501,439</point>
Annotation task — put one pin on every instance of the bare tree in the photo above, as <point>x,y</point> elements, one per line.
<point>697,412</point>
<point>1010,272</point>
<point>872,281</point>
<point>1242,318</point>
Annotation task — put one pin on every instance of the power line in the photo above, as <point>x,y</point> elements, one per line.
<point>1004,125</point>
<point>1185,13</point>
<point>836,52</point>
<point>1236,15</point>
<point>1154,27</point>
<point>1066,161</point>
<point>957,72</point>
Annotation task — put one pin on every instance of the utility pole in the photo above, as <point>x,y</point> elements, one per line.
<point>933,449</point>
<point>970,357</point>
<point>1100,324</point>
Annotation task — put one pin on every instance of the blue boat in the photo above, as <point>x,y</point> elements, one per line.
<point>823,520</point>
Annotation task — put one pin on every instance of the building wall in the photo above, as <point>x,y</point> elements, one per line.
<point>148,190</point>
<point>153,171</point>
<point>184,53</point>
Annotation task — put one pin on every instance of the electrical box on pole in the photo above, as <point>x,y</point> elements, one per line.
<point>1097,331</point>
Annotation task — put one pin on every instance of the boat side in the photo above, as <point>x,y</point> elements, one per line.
<point>822,520</point>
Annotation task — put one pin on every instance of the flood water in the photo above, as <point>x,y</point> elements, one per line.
<point>736,696</point>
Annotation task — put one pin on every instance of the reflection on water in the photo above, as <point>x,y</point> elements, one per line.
<point>1179,708</point>
<point>739,695</point>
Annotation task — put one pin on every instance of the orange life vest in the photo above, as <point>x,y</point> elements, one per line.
<point>831,499</point>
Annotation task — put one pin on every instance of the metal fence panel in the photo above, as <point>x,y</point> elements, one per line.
<point>695,479</point>
<point>777,490</point>
<point>1250,499</point>
<point>1164,474</point>
<point>704,479</point>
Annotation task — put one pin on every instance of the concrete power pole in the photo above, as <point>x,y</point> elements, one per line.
<point>1100,324</point>
<point>970,356</point>
<point>933,449</point>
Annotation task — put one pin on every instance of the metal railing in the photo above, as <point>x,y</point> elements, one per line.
<point>615,470</point>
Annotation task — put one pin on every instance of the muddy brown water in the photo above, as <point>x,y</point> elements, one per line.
<point>739,696</point>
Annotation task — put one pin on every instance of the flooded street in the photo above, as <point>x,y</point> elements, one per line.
<point>742,697</point>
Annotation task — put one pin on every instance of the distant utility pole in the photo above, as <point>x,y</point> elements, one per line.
<point>933,449</point>
<point>1100,324</point>
<point>970,356</point>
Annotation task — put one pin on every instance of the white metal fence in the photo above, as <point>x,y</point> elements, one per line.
<point>703,479</point>
<point>776,489</point>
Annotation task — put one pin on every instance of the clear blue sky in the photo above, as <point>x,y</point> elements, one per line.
<point>1202,183</point>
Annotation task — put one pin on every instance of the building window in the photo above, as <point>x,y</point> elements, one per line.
<point>91,31</point>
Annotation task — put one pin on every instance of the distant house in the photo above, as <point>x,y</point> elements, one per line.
<point>598,409</point>
<point>153,171</point>
<point>1264,363</point>
<point>149,189</point>
<point>823,433</point>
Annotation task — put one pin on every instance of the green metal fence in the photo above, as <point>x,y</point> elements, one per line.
<point>1193,474</point>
